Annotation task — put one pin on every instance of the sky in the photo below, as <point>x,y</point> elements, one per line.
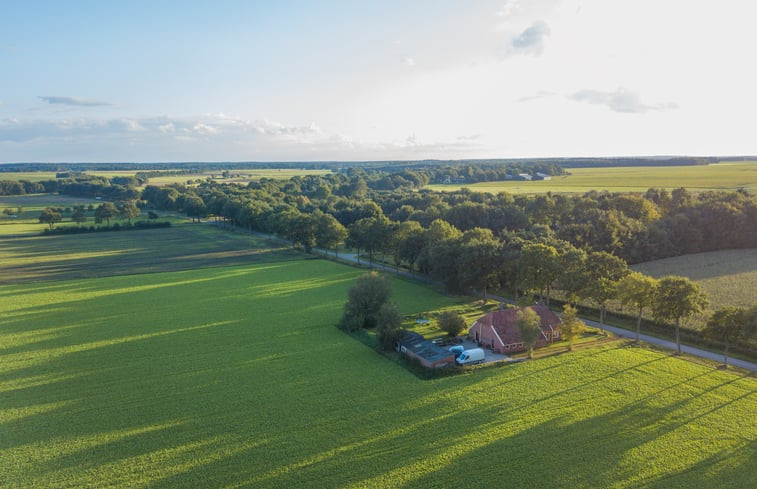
<point>283,80</point>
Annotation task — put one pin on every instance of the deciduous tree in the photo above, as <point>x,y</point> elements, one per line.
<point>451,323</point>
<point>604,271</point>
<point>388,325</point>
<point>727,325</point>
<point>571,325</point>
<point>364,300</point>
<point>638,290</point>
<point>127,209</point>
<point>105,212</point>
<point>528,323</point>
<point>49,216</point>
<point>540,267</point>
<point>678,298</point>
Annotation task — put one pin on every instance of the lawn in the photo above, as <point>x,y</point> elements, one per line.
<point>719,176</point>
<point>237,377</point>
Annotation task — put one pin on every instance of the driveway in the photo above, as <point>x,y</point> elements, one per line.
<point>489,356</point>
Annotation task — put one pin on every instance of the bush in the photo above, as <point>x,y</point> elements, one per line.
<point>451,323</point>
<point>365,298</point>
<point>114,227</point>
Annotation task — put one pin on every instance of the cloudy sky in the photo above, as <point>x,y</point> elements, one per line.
<point>373,80</point>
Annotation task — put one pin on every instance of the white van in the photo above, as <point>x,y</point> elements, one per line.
<point>470,357</point>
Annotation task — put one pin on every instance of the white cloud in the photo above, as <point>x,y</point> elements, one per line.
<point>541,94</point>
<point>531,40</point>
<point>73,101</point>
<point>204,129</point>
<point>408,61</point>
<point>205,138</point>
<point>508,8</point>
<point>621,100</point>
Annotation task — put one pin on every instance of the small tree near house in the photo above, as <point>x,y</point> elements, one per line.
<point>388,325</point>
<point>451,323</point>
<point>364,300</point>
<point>528,322</point>
<point>571,326</point>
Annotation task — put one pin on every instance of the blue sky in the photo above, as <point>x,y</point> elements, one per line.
<point>374,80</point>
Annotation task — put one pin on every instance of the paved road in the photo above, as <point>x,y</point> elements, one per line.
<point>670,345</point>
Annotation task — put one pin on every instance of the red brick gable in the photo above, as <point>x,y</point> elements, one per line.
<point>498,330</point>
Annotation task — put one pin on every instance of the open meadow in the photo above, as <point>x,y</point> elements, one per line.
<point>718,176</point>
<point>235,376</point>
<point>26,222</point>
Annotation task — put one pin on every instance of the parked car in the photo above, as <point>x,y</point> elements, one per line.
<point>473,356</point>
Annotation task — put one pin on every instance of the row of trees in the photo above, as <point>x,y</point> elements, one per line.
<point>104,212</point>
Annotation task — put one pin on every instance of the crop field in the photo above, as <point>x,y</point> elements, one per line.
<point>235,376</point>
<point>719,176</point>
<point>179,247</point>
<point>236,176</point>
<point>727,277</point>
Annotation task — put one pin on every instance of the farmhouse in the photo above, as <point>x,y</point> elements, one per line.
<point>428,354</point>
<point>499,332</point>
<point>542,176</point>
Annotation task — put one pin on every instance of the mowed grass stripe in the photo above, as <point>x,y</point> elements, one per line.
<point>237,377</point>
<point>180,247</point>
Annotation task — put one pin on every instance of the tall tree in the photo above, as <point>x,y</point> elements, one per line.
<point>194,207</point>
<point>478,261</point>
<point>540,266</point>
<point>127,209</point>
<point>573,274</point>
<point>50,216</point>
<point>388,325</point>
<point>79,215</point>
<point>638,290</point>
<point>408,243</point>
<point>105,212</point>
<point>364,300</point>
<point>604,272</point>
<point>727,325</point>
<point>329,232</point>
<point>678,298</point>
<point>571,325</point>
<point>528,323</point>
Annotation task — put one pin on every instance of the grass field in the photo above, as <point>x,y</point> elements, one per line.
<point>27,222</point>
<point>179,247</point>
<point>719,176</point>
<point>237,176</point>
<point>236,377</point>
<point>727,277</point>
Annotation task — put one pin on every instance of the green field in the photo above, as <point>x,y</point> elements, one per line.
<point>719,176</point>
<point>27,222</point>
<point>727,277</point>
<point>235,376</point>
<point>179,247</point>
<point>237,176</point>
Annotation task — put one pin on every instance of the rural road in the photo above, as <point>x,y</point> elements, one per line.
<point>670,345</point>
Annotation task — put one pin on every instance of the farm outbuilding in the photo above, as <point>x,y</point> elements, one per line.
<point>498,330</point>
<point>428,354</point>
